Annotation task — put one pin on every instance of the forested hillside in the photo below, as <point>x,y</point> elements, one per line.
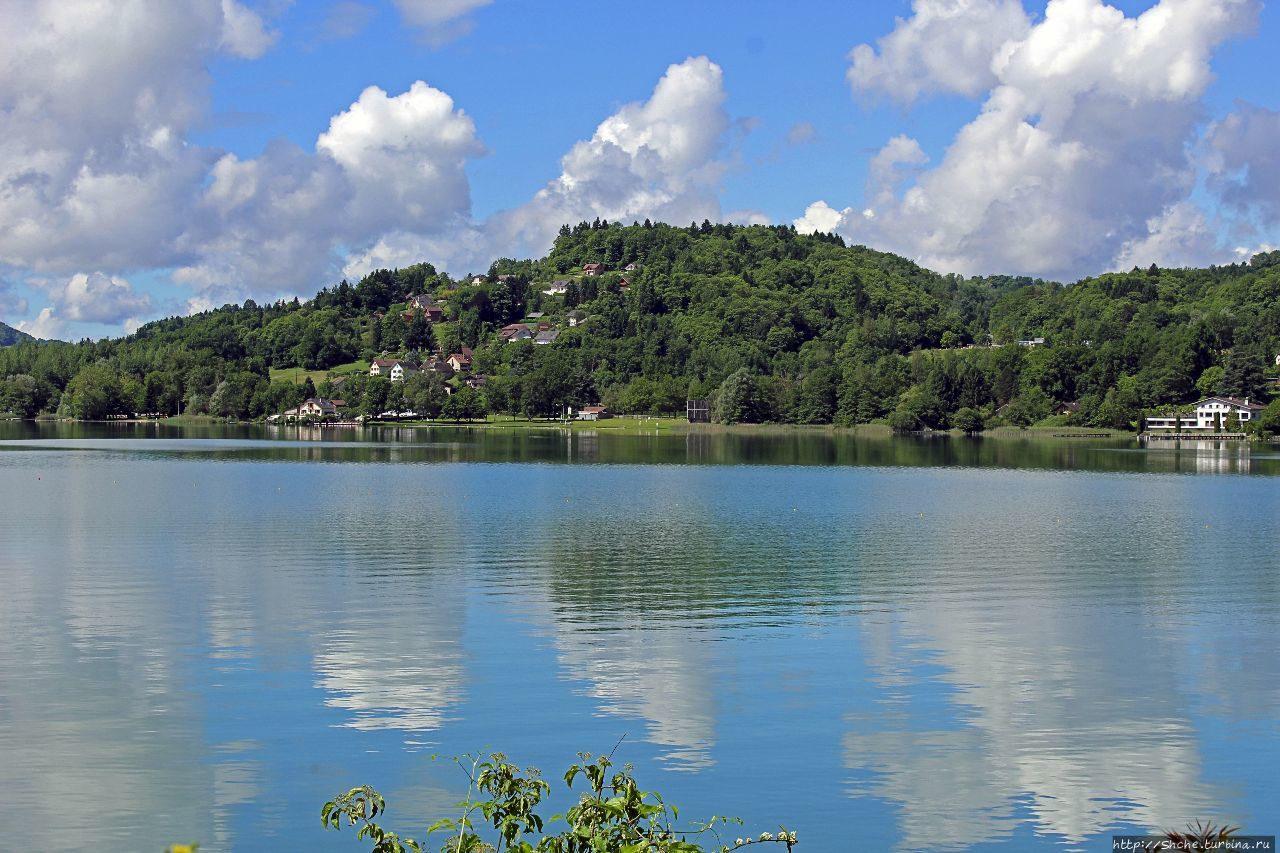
<point>10,335</point>
<point>769,324</point>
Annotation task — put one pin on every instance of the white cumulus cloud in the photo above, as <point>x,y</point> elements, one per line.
<point>405,156</point>
<point>657,159</point>
<point>278,222</point>
<point>945,46</point>
<point>46,326</point>
<point>244,33</point>
<point>1079,153</point>
<point>1244,162</point>
<point>100,298</point>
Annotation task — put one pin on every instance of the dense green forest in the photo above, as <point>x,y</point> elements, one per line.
<point>769,324</point>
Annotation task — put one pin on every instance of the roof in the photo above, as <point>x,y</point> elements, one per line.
<point>460,357</point>
<point>593,409</point>
<point>1234,402</point>
<point>386,362</point>
<point>593,266</point>
<point>546,337</point>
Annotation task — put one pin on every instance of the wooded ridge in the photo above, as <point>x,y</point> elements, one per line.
<point>769,324</point>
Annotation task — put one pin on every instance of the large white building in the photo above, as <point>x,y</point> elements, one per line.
<point>1211,415</point>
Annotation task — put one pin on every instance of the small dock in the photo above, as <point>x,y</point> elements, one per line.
<point>1194,436</point>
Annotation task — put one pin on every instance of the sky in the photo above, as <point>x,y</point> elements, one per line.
<point>161,158</point>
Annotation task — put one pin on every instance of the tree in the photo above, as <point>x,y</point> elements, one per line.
<point>1242,373</point>
<point>1210,381</point>
<point>95,393</point>
<point>1269,420</point>
<point>374,400</point>
<point>464,404</point>
<point>1030,406</point>
<point>418,336</point>
<point>967,420</point>
<point>22,395</point>
<point>425,394</point>
<point>739,400</point>
<point>904,419</point>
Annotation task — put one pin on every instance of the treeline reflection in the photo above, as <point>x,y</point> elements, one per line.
<point>767,446</point>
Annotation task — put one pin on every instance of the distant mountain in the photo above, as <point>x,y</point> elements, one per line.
<point>10,335</point>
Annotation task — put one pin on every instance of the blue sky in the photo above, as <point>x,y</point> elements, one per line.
<point>172,157</point>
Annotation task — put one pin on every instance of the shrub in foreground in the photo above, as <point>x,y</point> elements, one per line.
<point>500,814</point>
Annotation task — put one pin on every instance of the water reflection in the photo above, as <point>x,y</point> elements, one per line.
<point>392,674</point>
<point>1052,672</point>
<point>204,641</point>
<point>705,446</point>
<point>1039,711</point>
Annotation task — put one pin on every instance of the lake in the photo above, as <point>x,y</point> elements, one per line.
<point>885,644</point>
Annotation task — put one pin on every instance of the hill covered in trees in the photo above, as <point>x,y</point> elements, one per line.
<point>9,335</point>
<point>771,325</point>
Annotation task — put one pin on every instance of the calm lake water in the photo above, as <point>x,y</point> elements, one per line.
<point>882,643</point>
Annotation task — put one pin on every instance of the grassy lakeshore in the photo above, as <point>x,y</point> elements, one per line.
<point>642,425</point>
<point>638,425</point>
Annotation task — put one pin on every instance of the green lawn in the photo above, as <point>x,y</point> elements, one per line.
<point>297,375</point>
<point>627,424</point>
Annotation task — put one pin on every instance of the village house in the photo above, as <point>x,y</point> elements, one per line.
<point>476,382</point>
<point>624,283</point>
<point>438,366</point>
<point>477,279</point>
<point>546,337</point>
<point>460,361</point>
<point>593,413</point>
<point>318,407</point>
<point>394,369</point>
<point>1211,415</point>
<point>1031,343</point>
<point>402,370</point>
<point>576,317</point>
<point>515,332</point>
<point>428,306</point>
<point>311,408</point>
<point>559,287</point>
<point>631,267</point>
<point>382,366</point>
<point>592,269</point>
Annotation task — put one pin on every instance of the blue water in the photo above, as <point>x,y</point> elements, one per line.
<point>206,638</point>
